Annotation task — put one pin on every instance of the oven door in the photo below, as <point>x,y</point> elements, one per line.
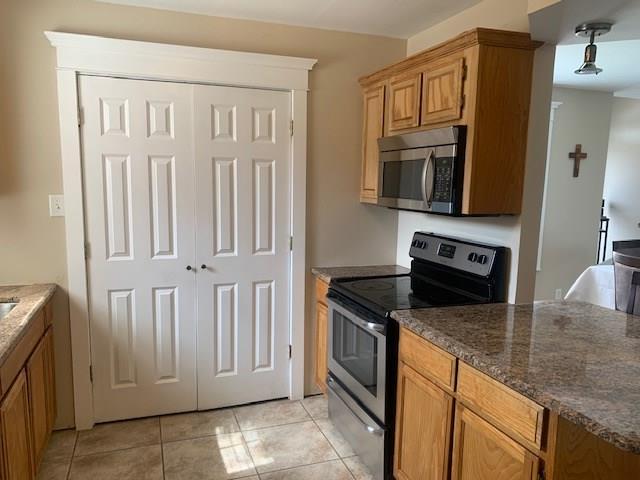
<point>406,179</point>
<point>357,356</point>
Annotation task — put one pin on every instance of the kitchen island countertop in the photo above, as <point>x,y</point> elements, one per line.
<point>578,360</point>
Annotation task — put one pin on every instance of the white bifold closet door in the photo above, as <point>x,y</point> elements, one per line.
<point>163,193</point>
<point>242,174</point>
<point>137,139</point>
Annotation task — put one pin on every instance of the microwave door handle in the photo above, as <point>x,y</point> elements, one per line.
<point>428,180</point>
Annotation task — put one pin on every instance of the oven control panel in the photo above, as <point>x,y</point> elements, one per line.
<point>476,258</point>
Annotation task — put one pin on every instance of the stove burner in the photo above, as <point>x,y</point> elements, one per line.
<point>375,285</point>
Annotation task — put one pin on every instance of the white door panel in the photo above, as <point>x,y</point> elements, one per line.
<point>139,195</point>
<point>243,217</point>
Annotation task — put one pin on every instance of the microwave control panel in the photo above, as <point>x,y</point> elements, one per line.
<point>443,188</point>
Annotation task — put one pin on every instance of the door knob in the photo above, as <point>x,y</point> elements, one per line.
<point>203,266</point>
<point>189,267</point>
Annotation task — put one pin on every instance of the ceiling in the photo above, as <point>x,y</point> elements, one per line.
<point>392,18</point>
<point>556,24</point>
<point>620,74</point>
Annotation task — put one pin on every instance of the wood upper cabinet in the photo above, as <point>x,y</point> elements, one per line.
<point>372,129</point>
<point>322,331</point>
<point>15,432</point>
<point>482,452</point>
<point>480,79</point>
<point>423,428</point>
<point>442,93</point>
<point>404,101</point>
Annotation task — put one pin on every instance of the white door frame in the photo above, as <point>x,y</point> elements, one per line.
<point>87,54</point>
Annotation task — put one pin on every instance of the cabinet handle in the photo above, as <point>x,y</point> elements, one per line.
<point>189,267</point>
<point>203,266</point>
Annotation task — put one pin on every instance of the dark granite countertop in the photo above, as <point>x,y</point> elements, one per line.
<point>577,359</point>
<point>327,273</point>
<point>30,299</point>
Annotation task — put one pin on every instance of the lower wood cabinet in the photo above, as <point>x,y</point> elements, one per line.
<point>423,428</point>
<point>321,346</point>
<point>15,432</point>
<point>52,404</point>
<point>482,452</point>
<point>28,406</point>
<point>322,331</point>
<point>38,371</point>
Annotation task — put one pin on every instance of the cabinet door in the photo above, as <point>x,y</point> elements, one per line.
<point>442,92</point>
<point>321,346</point>
<point>37,381</point>
<point>482,452</point>
<point>404,101</point>
<point>15,432</point>
<point>51,379</point>
<point>423,428</point>
<point>372,129</point>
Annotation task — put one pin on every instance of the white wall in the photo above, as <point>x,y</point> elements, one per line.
<point>622,177</point>
<point>518,233</point>
<point>572,217</point>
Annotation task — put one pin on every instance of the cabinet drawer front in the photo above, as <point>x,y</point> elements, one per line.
<point>442,92</point>
<point>321,291</point>
<point>504,407</point>
<point>427,359</point>
<point>404,101</point>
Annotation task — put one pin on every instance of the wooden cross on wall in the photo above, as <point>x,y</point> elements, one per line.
<point>577,155</point>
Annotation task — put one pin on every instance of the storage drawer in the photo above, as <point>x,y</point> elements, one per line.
<point>502,406</point>
<point>427,359</point>
<point>321,291</point>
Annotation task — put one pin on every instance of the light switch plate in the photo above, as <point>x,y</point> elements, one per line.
<point>56,205</point>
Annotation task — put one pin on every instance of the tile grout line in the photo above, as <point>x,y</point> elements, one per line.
<point>327,438</point>
<point>244,443</point>
<point>161,447</point>
<point>301,466</point>
<point>331,444</point>
<point>73,453</point>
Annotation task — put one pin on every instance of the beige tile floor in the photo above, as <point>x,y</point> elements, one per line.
<point>280,440</point>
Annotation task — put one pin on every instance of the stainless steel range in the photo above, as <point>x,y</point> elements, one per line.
<point>363,339</point>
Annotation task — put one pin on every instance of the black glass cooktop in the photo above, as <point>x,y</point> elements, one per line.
<point>385,294</point>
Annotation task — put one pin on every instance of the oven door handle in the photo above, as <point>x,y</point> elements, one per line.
<point>374,327</point>
<point>336,389</point>
<point>427,180</point>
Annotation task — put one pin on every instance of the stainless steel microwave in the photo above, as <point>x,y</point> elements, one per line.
<point>423,171</point>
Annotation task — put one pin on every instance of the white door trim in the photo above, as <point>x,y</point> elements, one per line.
<point>86,54</point>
